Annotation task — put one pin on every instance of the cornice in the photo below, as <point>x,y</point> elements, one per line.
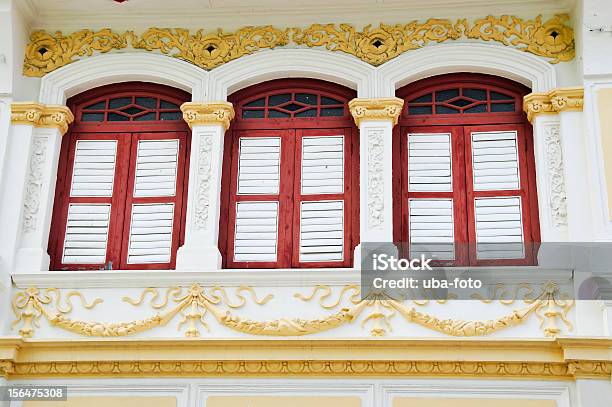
<point>38,115</point>
<point>341,357</point>
<point>196,114</point>
<point>552,102</point>
<point>382,109</point>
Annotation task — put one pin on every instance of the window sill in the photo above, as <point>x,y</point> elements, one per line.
<point>251,277</point>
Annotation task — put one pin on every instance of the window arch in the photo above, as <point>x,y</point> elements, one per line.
<point>464,166</point>
<point>120,194</point>
<point>290,185</point>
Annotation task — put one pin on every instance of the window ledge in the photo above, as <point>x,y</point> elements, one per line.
<point>251,277</point>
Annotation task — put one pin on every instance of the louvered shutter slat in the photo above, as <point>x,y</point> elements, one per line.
<point>259,165</point>
<point>85,240</point>
<point>94,168</point>
<point>151,231</point>
<point>321,231</point>
<point>432,228</point>
<point>322,165</point>
<point>495,161</point>
<point>429,163</point>
<point>496,236</point>
<point>256,233</point>
<point>156,167</point>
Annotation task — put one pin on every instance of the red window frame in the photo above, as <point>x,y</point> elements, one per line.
<point>461,125</point>
<point>291,130</point>
<point>128,133</point>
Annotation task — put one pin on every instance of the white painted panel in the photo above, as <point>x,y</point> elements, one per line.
<point>256,234</point>
<point>495,161</point>
<point>86,234</point>
<point>156,168</point>
<point>318,176</point>
<point>151,230</point>
<point>259,165</point>
<point>430,163</point>
<point>499,228</point>
<point>432,230</point>
<point>322,231</point>
<point>94,168</point>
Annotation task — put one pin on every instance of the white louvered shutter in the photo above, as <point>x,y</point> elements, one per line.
<point>322,201</point>
<point>498,218</point>
<point>86,236</point>
<point>153,201</point>
<point>256,228</point>
<point>432,195</point>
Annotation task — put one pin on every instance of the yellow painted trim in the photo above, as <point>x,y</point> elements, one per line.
<point>196,113</point>
<point>604,107</point>
<point>559,359</point>
<point>552,102</point>
<point>382,109</point>
<point>38,115</point>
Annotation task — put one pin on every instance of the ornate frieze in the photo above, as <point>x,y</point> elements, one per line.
<point>34,183</point>
<point>556,175</point>
<point>554,101</point>
<point>381,109</point>
<point>551,39</point>
<point>375,139</point>
<point>196,113</point>
<point>38,115</point>
<point>195,303</point>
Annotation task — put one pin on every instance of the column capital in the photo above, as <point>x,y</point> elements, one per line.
<point>554,101</point>
<point>39,115</point>
<point>382,109</point>
<point>197,113</point>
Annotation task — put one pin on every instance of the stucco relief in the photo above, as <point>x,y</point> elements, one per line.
<point>203,182</point>
<point>34,184</point>
<point>556,177</point>
<point>376,182</point>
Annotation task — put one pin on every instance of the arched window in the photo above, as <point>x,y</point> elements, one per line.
<point>120,193</point>
<point>290,185</point>
<point>465,168</point>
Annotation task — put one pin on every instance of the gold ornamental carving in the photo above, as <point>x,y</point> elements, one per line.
<point>554,101</point>
<point>196,113</point>
<point>551,39</point>
<point>382,109</point>
<point>38,115</point>
<point>194,304</point>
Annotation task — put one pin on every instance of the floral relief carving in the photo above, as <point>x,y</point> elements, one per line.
<point>556,176</point>
<point>34,184</point>
<point>376,182</point>
<point>203,187</point>
<point>552,39</point>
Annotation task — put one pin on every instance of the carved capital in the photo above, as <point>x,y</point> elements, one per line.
<point>567,99</point>
<point>38,115</point>
<point>196,113</point>
<point>382,109</point>
<point>554,101</point>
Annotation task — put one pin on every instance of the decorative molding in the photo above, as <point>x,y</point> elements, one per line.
<point>556,175</point>
<point>195,303</point>
<point>203,182</point>
<point>220,113</point>
<point>561,359</point>
<point>375,139</point>
<point>383,109</point>
<point>551,39</point>
<point>31,202</point>
<point>552,102</point>
<point>37,115</point>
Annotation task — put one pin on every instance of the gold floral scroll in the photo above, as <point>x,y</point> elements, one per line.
<point>551,39</point>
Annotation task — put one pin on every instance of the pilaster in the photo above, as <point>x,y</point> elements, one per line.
<point>38,130</point>
<point>208,122</point>
<point>375,119</point>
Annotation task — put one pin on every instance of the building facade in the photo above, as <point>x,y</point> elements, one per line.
<point>187,189</point>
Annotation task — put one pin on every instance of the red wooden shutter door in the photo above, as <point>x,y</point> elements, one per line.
<point>321,217</point>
